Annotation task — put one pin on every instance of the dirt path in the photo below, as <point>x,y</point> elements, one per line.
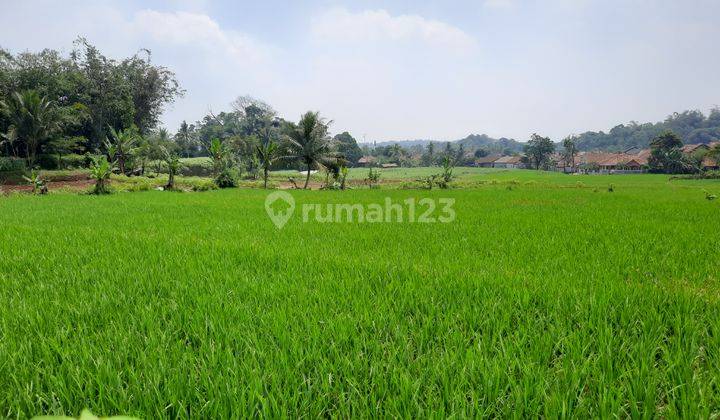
<point>54,185</point>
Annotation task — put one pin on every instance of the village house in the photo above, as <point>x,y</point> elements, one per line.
<point>509,162</point>
<point>367,161</point>
<point>486,161</point>
<point>604,162</point>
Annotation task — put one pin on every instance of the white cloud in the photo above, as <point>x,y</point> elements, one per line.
<point>341,25</point>
<point>184,29</point>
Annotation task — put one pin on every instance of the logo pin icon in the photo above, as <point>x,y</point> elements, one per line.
<point>279,206</point>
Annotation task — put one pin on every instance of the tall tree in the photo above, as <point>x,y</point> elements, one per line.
<point>666,154</point>
<point>347,147</point>
<point>539,149</point>
<point>308,141</point>
<point>186,140</point>
<point>428,158</point>
<point>570,150</point>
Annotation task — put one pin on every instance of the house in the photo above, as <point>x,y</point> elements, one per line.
<point>509,162</point>
<point>620,163</point>
<point>367,161</point>
<point>709,164</point>
<point>486,161</point>
<point>689,149</point>
<point>604,162</point>
<point>389,165</point>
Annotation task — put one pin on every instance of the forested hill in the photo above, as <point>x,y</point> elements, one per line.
<point>692,126</point>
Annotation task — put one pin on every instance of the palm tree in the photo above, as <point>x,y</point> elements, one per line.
<point>121,146</point>
<point>308,141</point>
<point>267,153</point>
<point>32,120</point>
<point>217,153</point>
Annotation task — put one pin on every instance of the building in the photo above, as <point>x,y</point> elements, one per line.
<point>389,165</point>
<point>689,149</point>
<point>709,164</point>
<point>509,162</point>
<point>604,162</point>
<point>367,161</point>
<point>486,161</point>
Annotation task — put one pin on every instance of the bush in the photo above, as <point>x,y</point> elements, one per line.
<point>47,162</point>
<point>10,164</point>
<point>199,166</point>
<point>203,185</point>
<point>701,175</point>
<point>75,161</point>
<point>228,178</point>
<point>71,161</point>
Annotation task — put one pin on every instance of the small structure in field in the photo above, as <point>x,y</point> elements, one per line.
<point>486,161</point>
<point>509,162</point>
<point>367,161</point>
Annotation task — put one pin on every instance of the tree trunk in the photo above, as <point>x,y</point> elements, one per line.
<point>307,178</point>
<point>30,152</point>
<point>265,177</point>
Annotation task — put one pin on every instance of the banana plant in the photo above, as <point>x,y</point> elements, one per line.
<point>37,182</point>
<point>100,171</point>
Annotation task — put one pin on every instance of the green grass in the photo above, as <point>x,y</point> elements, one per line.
<point>546,299</point>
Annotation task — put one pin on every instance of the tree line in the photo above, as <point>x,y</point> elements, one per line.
<point>57,105</point>
<point>70,111</point>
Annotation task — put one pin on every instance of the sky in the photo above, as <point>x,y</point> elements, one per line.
<point>396,70</point>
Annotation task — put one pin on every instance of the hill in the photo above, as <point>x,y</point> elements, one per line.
<point>692,126</point>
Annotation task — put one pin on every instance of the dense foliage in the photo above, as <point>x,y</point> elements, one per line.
<point>81,97</point>
<point>691,126</point>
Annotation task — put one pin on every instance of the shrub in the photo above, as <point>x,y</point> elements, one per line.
<point>373,178</point>
<point>74,161</point>
<point>47,162</point>
<point>227,178</point>
<point>100,171</point>
<point>701,175</point>
<point>203,185</point>
<point>38,183</point>
<point>10,164</point>
<point>71,161</point>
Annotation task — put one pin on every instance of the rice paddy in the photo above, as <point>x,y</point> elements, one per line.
<point>548,296</point>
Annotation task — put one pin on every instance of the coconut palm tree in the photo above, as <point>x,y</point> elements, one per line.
<point>267,153</point>
<point>217,152</point>
<point>121,145</point>
<point>308,141</point>
<point>33,121</point>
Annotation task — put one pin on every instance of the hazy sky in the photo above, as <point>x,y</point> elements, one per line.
<point>395,70</point>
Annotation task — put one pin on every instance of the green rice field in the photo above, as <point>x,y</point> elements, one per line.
<point>547,296</point>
